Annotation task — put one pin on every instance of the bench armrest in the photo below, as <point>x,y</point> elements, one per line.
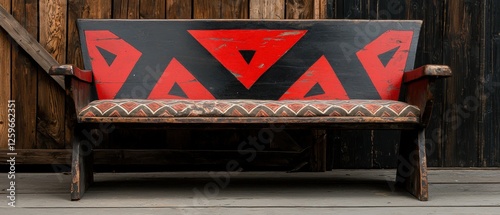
<point>427,71</point>
<point>70,70</point>
<point>420,88</point>
<point>78,84</point>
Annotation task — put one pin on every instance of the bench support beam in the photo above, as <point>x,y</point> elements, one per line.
<point>412,165</point>
<point>81,165</point>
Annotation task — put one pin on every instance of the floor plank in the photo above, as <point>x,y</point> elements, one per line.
<point>451,192</point>
<point>243,211</point>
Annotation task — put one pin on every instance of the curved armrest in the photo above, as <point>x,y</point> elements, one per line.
<point>420,88</point>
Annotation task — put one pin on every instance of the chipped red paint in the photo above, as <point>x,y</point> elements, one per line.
<point>269,47</point>
<point>110,78</point>
<point>177,73</point>
<point>387,79</point>
<point>320,73</point>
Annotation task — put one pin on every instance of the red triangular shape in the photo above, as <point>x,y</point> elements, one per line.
<point>177,73</point>
<point>320,73</point>
<point>387,79</point>
<point>269,46</point>
<point>110,78</point>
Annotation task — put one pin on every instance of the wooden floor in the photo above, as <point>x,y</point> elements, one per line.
<point>341,191</point>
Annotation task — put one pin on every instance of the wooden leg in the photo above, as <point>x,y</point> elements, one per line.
<point>81,167</point>
<point>318,152</point>
<point>412,164</point>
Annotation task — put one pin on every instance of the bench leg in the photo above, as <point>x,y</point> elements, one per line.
<point>81,166</point>
<point>412,164</point>
<point>318,151</point>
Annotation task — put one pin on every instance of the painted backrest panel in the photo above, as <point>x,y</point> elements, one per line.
<point>229,59</point>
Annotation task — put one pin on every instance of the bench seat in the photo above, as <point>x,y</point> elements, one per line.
<point>147,109</point>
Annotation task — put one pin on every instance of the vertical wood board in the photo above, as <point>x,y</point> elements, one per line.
<point>24,77</point>
<point>5,80</point>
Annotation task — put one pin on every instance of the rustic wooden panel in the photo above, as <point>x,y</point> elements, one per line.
<point>299,9</point>
<point>461,48</point>
<point>179,9</point>
<point>24,77</point>
<point>126,9</point>
<point>491,150</point>
<point>152,9</point>
<point>320,9</point>
<point>267,9</point>
<point>235,9</point>
<point>5,73</point>
<point>51,98</point>
<point>431,50</point>
<point>207,9</point>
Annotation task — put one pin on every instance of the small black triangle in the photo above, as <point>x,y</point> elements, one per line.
<point>108,56</point>
<point>315,90</point>
<point>386,57</point>
<point>177,91</point>
<point>247,55</point>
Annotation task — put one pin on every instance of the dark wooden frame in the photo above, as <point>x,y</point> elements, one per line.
<point>412,165</point>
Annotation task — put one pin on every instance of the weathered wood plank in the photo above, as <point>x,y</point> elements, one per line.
<point>491,92</point>
<point>5,81</point>
<point>299,9</point>
<point>207,9</point>
<point>152,9</point>
<point>235,9</point>
<point>320,9</point>
<point>267,9</point>
<point>24,37</point>
<point>51,98</point>
<point>133,9</point>
<point>125,9</point>
<point>179,9</point>
<point>24,76</point>
<point>461,48</point>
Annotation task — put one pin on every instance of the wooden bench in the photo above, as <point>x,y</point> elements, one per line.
<point>321,74</point>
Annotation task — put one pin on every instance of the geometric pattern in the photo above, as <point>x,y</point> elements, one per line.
<point>248,108</point>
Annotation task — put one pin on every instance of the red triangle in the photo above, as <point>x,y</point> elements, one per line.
<point>270,46</point>
<point>387,79</point>
<point>177,73</point>
<point>320,73</point>
<point>110,78</point>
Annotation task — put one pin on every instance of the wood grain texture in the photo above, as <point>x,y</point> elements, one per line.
<point>299,9</point>
<point>432,52</point>
<point>179,9</point>
<point>152,9</point>
<point>461,48</point>
<point>24,39</point>
<point>24,77</point>
<point>320,9</point>
<point>267,9</point>
<point>5,81</point>
<point>235,9</point>
<point>133,9</point>
<point>51,111</point>
<point>491,148</point>
<point>207,9</point>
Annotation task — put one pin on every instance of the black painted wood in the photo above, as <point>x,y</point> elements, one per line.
<point>162,43</point>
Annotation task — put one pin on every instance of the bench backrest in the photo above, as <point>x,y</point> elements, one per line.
<point>248,59</point>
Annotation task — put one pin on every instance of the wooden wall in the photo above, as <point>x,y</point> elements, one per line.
<point>463,34</point>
